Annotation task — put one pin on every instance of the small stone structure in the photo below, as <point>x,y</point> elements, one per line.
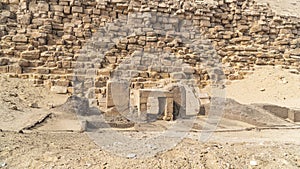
<point>177,101</point>
<point>165,102</point>
<point>294,115</point>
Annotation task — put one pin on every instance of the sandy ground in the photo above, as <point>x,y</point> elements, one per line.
<point>284,7</point>
<point>76,150</point>
<point>23,103</point>
<point>272,85</point>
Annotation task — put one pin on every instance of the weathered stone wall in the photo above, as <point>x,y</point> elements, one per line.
<point>42,39</point>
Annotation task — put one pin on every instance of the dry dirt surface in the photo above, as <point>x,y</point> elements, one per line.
<point>24,103</point>
<point>76,150</point>
<point>284,7</point>
<point>272,85</point>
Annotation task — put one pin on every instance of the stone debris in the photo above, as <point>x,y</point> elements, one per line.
<point>131,156</point>
<point>253,163</point>
<point>44,40</point>
<point>13,107</point>
<point>3,164</point>
<point>33,105</point>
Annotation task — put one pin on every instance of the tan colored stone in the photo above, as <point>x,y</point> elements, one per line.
<point>20,38</point>
<point>30,55</point>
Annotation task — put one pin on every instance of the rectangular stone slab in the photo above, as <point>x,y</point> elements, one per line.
<point>118,94</point>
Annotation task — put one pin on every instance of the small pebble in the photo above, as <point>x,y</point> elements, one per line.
<point>33,105</point>
<point>253,163</point>
<point>13,94</point>
<point>2,164</point>
<point>262,89</point>
<point>13,107</point>
<point>50,105</point>
<point>131,156</point>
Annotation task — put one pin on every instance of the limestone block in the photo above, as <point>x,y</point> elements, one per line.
<point>281,112</point>
<point>177,75</point>
<point>205,23</point>
<point>294,115</point>
<point>20,38</point>
<point>77,9</point>
<point>7,14</point>
<point>151,39</point>
<point>118,95</point>
<point>24,19</point>
<point>96,11</point>
<point>230,1</point>
<point>68,37</point>
<point>168,114</point>
<point>59,89</point>
<point>260,62</point>
<point>86,19</point>
<point>67,9</point>
<point>62,82</point>
<point>58,8</point>
<point>43,6</point>
<point>30,55</point>
<point>143,100</point>
<point>188,70</point>
<point>179,99</point>
<point>192,102</point>
<point>15,69</point>
<point>154,93</point>
<point>4,61</point>
<point>24,63</point>
<point>3,69</point>
<point>43,71</point>
<point>255,28</point>
<point>14,1</point>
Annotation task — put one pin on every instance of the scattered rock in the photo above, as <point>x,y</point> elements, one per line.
<point>253,163</point>
<point>294,71</point>
<point>4,61</point>
<point>50,105</point>
<point>262,89</point>
<point>131,156</point>
<point>13,94</point>
<point>33,105</point>
<point>2,164</point>
<point>13,107</point>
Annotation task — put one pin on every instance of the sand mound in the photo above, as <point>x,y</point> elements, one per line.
<point>272,85</point>
<point>284,7</point>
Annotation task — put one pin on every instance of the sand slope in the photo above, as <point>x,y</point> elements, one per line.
<point>272,85</point>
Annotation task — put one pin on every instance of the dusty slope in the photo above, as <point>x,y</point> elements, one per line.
<point>284,7</point>
<point>272,85</point>
<point>23,103</point>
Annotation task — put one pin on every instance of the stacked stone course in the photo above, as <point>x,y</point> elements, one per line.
<point>42,39</point>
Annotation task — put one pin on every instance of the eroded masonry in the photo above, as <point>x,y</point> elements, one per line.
<point>87,46</point>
